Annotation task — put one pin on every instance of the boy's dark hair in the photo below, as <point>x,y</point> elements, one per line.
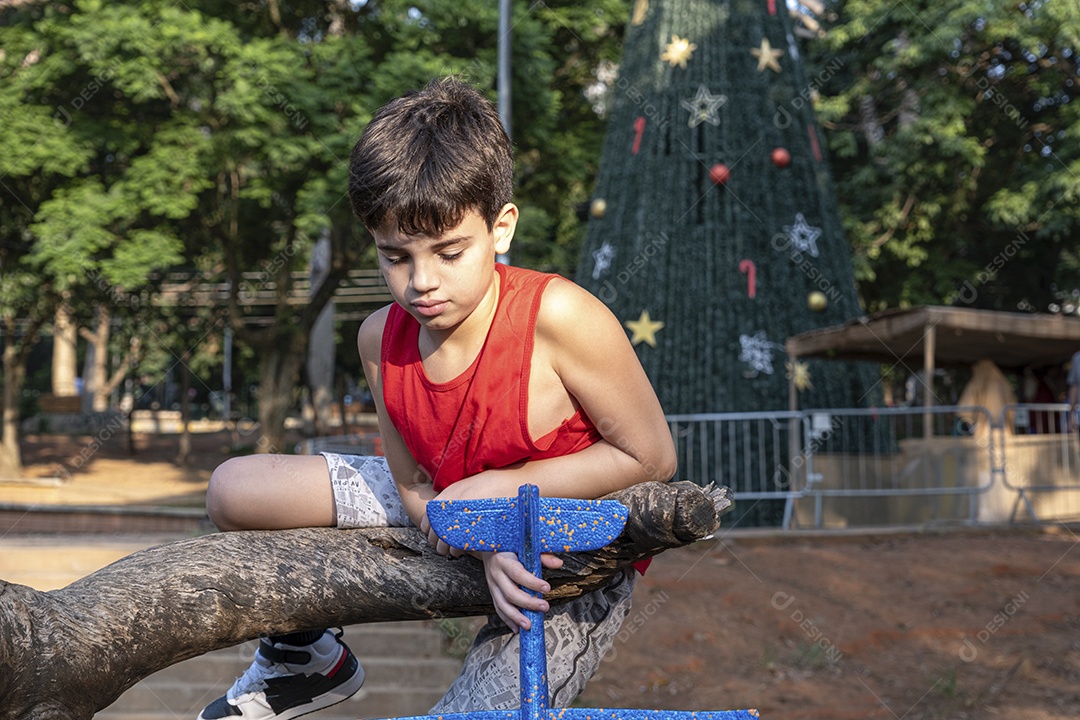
<point>429,157</point>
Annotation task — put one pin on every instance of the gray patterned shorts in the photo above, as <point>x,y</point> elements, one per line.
<point>577,634</point>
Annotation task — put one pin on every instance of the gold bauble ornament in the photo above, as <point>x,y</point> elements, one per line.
<point>598,208</point>
<point>817,301</point>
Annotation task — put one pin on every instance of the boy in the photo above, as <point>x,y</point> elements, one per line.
<point>485,377</point>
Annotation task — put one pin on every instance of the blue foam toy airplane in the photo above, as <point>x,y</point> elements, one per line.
<point>530,525</point>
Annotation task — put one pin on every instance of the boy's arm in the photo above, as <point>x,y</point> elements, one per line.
<point>587,348</point>
<point>592,356</point>
<point>414,486</point>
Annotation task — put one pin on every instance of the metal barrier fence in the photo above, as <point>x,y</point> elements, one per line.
<point>1040,456</point>
<point>937,460</point>
<point>805,457</point>
<point>751,453</point>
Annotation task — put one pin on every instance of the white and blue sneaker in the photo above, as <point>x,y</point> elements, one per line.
<point>287,681</point>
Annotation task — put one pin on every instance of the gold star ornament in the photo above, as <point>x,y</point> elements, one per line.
<point>678,51</point>
<point>766,56</point>
<point>644,329</point>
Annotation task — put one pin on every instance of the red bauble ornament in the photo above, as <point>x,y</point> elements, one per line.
<point>781,158</point>
<point>719,173</point>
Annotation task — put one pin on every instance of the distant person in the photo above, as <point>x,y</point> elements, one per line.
<point>484,377</point>
<point>1072,379</point>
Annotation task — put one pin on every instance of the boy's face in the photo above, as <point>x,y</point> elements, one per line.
<point>441,280</point>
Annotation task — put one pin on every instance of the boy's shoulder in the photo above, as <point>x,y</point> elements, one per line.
<point>369,337</point>
<point>563,299</point>
<point>570,314</point>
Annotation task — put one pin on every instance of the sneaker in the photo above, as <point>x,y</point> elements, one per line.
<point>287,681</point>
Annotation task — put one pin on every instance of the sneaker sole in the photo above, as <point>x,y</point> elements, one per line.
<point>338,695</point>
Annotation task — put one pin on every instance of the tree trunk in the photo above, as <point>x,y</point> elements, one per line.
<point>14,371</point>
<point>16,348</point>
<point>124,366</point>
<point>71,652</point>
<point>183,453</point>
<point>100,399</point>
<point>320,356</point>
<point>279,369</point>
<point>871,127</point>
<point>96,390</point>
<point>65,365</point>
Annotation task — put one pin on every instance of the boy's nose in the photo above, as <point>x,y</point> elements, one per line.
<point>424,278</point>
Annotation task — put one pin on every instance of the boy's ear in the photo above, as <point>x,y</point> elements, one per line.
<point>504,226</point>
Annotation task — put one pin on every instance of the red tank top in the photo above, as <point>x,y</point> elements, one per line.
<point>479,420</point>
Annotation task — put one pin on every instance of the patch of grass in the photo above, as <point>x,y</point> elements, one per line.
<point>813,656</point>
<point>943,699</point>
<point>768,657</point>
<point>946,684</point>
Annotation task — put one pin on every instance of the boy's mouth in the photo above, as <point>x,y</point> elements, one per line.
<point>430,308</point>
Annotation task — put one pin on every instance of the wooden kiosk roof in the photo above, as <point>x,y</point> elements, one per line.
<point>930,336</point>
<point>951,336</point>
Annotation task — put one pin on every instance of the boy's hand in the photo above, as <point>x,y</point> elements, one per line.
<point>467,489</point>
<point>505,573</point>
<point>505,576</point>
<point>435,541</point>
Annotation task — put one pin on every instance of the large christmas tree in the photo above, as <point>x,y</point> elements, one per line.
<point>715,233</point>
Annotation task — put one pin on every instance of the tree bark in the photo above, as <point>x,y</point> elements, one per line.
<point>71,652</point>
<point>65,365</point>
<point>96,375</point>
<point>16,349</point>
<point>319,361</point>
<point>122,370</point>
<point>14,370</point>
<point>183,452</point>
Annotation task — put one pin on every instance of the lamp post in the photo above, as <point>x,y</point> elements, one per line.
<point>503,82</point>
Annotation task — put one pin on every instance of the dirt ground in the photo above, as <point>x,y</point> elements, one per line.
<point>959,625</point>
<point>113,469</point>
<point>956,624</point>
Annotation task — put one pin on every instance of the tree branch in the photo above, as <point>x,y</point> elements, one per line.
<point>124,367</point>
<point>71,652</point>
<point>884,238</point>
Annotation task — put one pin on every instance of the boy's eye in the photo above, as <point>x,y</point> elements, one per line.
<point>394,259</point>
<point>450,257</point>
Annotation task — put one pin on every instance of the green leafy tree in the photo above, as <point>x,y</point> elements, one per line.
<point>75,213</point>
<point>954,132</point>
<point>215,137</point>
